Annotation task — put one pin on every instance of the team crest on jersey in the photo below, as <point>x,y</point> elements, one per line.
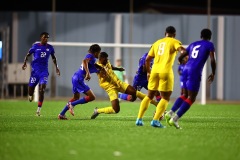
<point>47,49</point>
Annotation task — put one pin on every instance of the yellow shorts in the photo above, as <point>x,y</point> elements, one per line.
<point>113,89</point>
<point>161,82</point>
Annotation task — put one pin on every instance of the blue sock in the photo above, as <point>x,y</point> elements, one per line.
<point>177,104</point>
<point>123,96</point>
<point>80,101</point>
<point>65,109</point>
<point>183,108</point>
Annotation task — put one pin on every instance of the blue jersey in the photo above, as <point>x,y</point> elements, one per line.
<point>41,54</point>
<point>78,84</point>
<point>140,79</point>
<point>198,53</point>
<point>180,70</point>
<point>92,69</point>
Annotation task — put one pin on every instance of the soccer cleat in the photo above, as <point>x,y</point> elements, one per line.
<point>174,123</point>
<point>167,117</point>
<point>139,122</point>
<point>38,113</point>
<point>95,114</point>
<point>156,123</point>
<point>61,117</point>
<point>70,108</point>
<point>30,98</point>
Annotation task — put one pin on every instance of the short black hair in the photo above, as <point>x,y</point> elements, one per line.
<point>94,48</point>
<point>103,55</point>
<point>206,33</point>
<point>45,34</point>
<point>171,30</point>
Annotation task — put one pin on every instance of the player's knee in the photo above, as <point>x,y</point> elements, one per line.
<point>41,91</point>
<point>133,98</point>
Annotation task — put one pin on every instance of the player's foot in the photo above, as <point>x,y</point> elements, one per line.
<point>30,98</point>
<point>156,123</point>
<point>61,117</point>
<point>139,122</point>
<point>95,114</point>
<point>70,108</point>
<point>174,123</point>
<point>168,117</point>
<point>38,113</point>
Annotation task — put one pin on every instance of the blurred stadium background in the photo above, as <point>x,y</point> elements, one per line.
<point>125,29</point>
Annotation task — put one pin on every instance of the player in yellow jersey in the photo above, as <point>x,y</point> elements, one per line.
<point>109,81</point>
<point>160,77</point>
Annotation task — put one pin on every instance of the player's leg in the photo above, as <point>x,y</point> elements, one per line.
<point>68,107</point>
<point>193,85</point>
<point>42,88</point>
<point>33,81</point>
<point>114,108</point>
<point>176,105</point>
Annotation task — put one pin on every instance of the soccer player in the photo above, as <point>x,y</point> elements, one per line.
<point>180,70</point>
<point>161,76</point>
<point>112,85</point>
<point>140,79</point>
<point>39,75</point>
<point>198,53</point>
<point>78,85</point>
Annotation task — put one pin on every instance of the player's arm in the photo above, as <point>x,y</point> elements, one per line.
<point>213,66</point>
<point>54,59</point>
<point>118,69</point>
<point>25,61</point>
<point>183,53</point>
<point>148,65</point>
<point>85,66</point>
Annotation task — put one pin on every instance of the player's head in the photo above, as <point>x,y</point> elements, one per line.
<point>206,34</point>
<point>118,62</point>
<point>170,31</point>
<point>103,58</point>
<point>95,49</point>
<point>44,37</point>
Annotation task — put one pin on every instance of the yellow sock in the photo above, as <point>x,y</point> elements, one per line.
<point>106,110</point>
<point>161,107</point>
<point>141,96</point>
<point>143,106</point>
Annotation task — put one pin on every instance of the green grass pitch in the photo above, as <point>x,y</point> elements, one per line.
<point>210,132</point>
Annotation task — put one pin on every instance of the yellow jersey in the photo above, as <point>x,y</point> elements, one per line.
<point>110,80</point>
<point>164,52</point>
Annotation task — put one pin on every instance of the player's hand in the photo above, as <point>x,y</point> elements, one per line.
<point>24,66</point>
<point>87,77</point>
<point>58,71</point>
<point>210,78</point>
<point>103,73</point>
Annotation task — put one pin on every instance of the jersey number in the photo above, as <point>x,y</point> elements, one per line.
<point>195,51</point>
<point>161,48</point>
<point>43,54</point>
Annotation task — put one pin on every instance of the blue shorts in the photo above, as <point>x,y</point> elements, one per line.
<point>140,82</point>
<point>78,84</point>
<point>38,76</point>
<point>191,80</point>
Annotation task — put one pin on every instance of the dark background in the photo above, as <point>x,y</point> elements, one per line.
<point>218,7</point>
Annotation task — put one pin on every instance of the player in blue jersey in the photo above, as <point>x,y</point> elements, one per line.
<point>198,53</point>
<point>78,84</point>
<point>39,75</point>
<point>180,70</point>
